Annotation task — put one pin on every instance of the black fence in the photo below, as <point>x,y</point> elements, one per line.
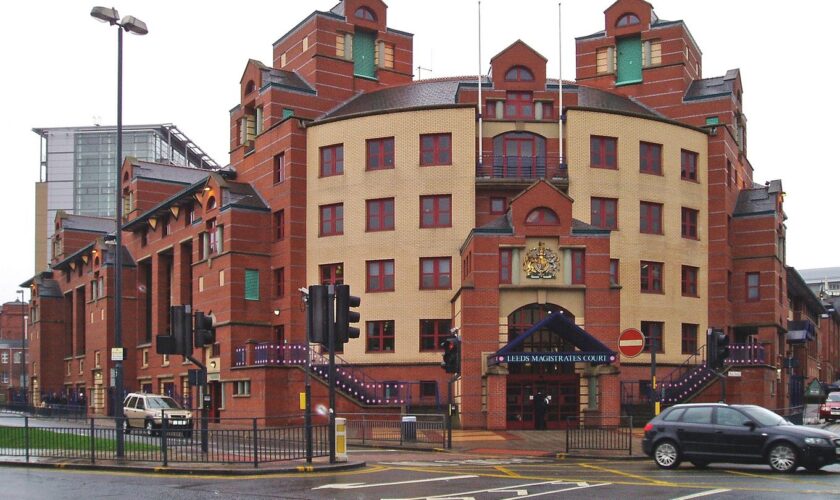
<point>247,441</point>
<point>600,433</point>
<point>421,431</point>
<point>62,411</point>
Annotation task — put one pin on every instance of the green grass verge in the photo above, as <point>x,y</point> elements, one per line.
<point>42,439</point>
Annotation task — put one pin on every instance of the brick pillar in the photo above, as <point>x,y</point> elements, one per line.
<point>496,398</point>
<point>609,394</point>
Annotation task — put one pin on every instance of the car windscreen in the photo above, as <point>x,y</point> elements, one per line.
<point>833,396</point>
<point>763,416</point>
<point>162,403</point>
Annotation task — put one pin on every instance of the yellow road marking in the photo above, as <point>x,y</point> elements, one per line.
<point>627,474</point>
<point>506,471</point>
<point>779,477</point>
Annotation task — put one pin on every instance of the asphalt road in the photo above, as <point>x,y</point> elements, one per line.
<point>402,475</point>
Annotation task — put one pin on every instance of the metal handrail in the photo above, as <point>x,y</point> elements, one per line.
<point>522,166</point>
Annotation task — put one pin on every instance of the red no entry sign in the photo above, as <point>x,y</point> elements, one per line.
<point>631,343</point>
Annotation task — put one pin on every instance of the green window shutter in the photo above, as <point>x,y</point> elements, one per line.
<point>287,112</point>
<point>629,60</point>
<point>364,47</point>
<point>252,284</point>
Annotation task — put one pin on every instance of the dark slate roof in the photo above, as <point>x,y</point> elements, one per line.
<point>499,225</point>
<point>338,9</point>
<point>171,173</point>
<point>422,93</point>
<point>583,227</point>
<point>86,223</point>
<point>48,287</point>
<point>655,22</point>
<point>758,200</point>
<point>589,97</point>
<point>709,88</point>
<point>240,194</point>
<point>286,79</point>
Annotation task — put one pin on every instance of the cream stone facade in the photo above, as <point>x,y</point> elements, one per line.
<point>407,243</point>
<point>630,246</point>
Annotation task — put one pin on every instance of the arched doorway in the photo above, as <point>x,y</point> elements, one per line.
<point>525,381</point>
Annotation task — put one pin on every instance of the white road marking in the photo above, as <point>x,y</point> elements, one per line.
<point>701,494</point>
<point>351,486</point>
<point>580,486</point>
<point>517,488</point>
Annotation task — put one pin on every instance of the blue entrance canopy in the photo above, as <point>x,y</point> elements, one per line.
<point>558,323</point>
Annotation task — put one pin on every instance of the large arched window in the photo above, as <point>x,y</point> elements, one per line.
<point>249,87</point>
<point>542,216</point>
<point>519,154</point>
<point>366,14</point>
<point>628,19</point>
<point>545,340</point>
<point>519,74</point>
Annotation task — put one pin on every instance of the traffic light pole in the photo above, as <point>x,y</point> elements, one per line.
<point>331,345</point>
<point>205,410</point>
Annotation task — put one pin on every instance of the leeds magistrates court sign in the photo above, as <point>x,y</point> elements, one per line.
<point>556,357</point>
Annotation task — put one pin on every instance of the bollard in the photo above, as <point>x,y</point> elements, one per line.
<point>340,439</point>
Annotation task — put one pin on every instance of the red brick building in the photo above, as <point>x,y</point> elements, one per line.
<point>12,348</point>
<point>537,219</point>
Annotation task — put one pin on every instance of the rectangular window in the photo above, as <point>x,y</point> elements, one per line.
<point>436,149</point>
<point>279,168</point>
<point>380,336</point>
<point>689,338</point>
<point>279,225</point>
<point>498,205</point>
<point>603,152</point>
<point>651,274</point>
<point>688,165</point>
<point>652,331</point>
<point>332,160</point>
<point>331,219</point>
<point>436,211</point>
<point>428,389</point>
<point>578,267</point>
<point>189,218</point>
<point>651,53</point>
<point>332,274</point>
<point>505,265</point>
<point>547,110</point>
<point>605,60</point>
<point>214,237</point>
<point>280,282</point>
<point>689,281</point>
<point>432,332</point>
<point>380,215</point>
<point>252,284</point>
<point>614,272</point>
<point>490,110</point>
<point>436,273</point>
<point>339,45</point>
<point>242,388</point>
<point>650,158</point>
<point>728,173</point>
<point>604,213</point>
<point>380,154</point>
<point>689,223</point>
<point>380,276</point>
<point>519,106</point>
<point>650,217</point>
<point>753,283</point>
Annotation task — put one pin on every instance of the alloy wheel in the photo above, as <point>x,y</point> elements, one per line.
<point>782,458</point>
<point>666,455</point>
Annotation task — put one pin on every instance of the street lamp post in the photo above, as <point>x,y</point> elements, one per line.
<point>138,27</point>
<point>23,344</point>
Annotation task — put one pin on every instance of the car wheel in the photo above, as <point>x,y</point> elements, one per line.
<point>150,428</point>
<point>700,464</point>
<point>782,458</point>
<point>666,455</point>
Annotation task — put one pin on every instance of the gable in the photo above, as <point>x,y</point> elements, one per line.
<point>518,54</point>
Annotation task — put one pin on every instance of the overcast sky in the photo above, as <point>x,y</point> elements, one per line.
<point>59,69</point>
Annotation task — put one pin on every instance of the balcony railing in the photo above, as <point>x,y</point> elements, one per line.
<point>522,167</point>
<point>350,379</point>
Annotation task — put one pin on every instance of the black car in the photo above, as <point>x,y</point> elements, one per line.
<point>717,432</point>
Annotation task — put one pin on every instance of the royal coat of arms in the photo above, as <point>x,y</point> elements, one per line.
<point>540,262</point>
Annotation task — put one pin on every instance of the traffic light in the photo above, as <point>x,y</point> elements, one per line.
<point>317,322</point>
<point>451,354</point>
<point>717,348</point>
<point>204,333</point>
<point>180,328</point>
<point>344,316</point>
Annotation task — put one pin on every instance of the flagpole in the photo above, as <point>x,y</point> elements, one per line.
<point>480,103</point>
<point>560,82</point>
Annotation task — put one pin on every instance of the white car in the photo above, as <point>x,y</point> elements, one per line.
<point>147,411</point>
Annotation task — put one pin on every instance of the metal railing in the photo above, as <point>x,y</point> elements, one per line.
<point>64,411</point>
<point>236,441</point>
<point>422,430</point>
<point>351,380</point>
<point>600,433</point>
<point>522,167</point>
